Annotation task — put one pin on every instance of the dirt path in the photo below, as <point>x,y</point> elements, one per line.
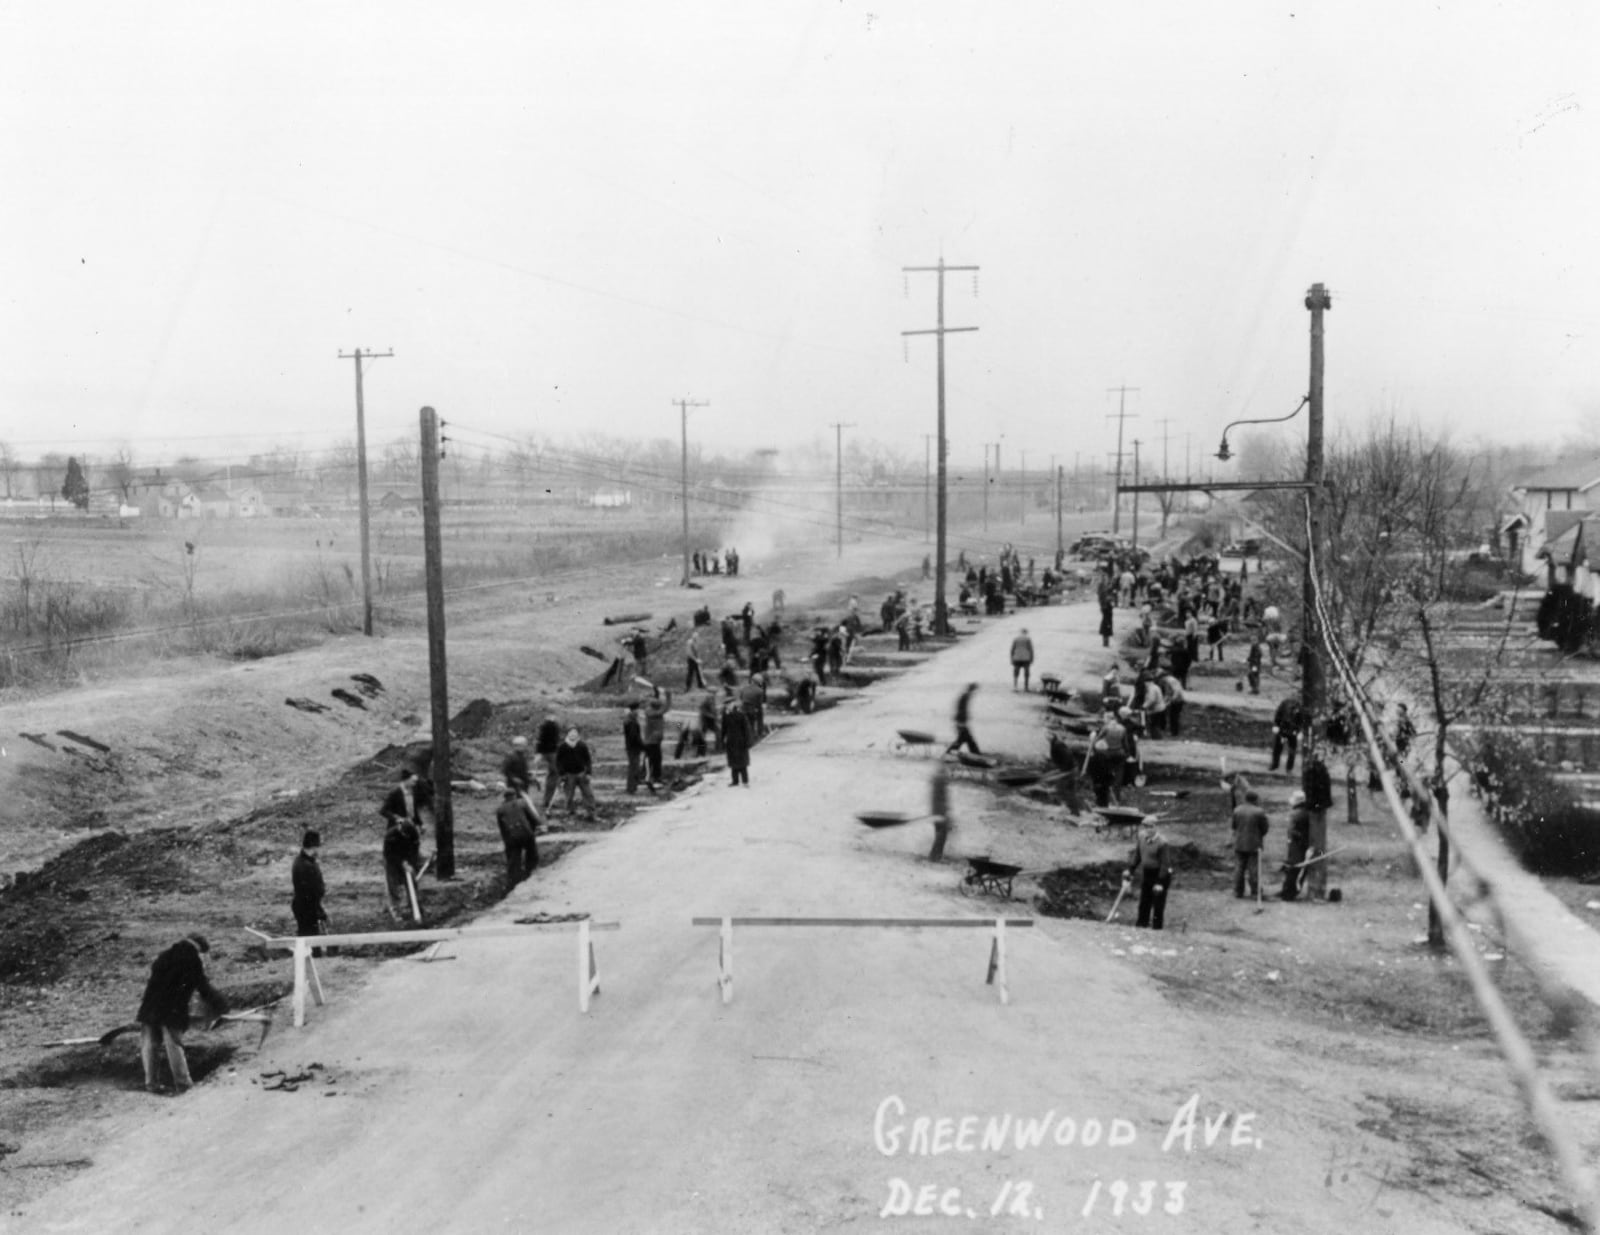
<point>472,1095</point>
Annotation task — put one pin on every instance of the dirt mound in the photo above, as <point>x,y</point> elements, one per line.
<point>473,720</point>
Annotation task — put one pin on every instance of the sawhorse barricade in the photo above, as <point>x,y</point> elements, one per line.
<point>997,949</point>
<point>305,968</point>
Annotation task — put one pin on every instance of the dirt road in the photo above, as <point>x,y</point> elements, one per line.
<point>855,1075</point>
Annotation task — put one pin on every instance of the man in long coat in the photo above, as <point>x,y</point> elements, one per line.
<point>736,739</point>
<point>305,875</point>
<point>163,1017</point>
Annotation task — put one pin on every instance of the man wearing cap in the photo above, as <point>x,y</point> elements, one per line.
<point>306,876</point>
<point>1150,862</point>
<point>515,770</point>
<point>163,1017</point>
<point>1299,845</point>
<point>517,820</point>
<point>1250,828</point>
<point>1287,722</point>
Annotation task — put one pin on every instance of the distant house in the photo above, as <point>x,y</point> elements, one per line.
<point>396,503</point>
<point>1549,502</point>
<point>248,502</point>
<point>614,499</point>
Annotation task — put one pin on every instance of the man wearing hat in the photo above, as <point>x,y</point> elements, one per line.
<point>309,889</point>
<point>1299,845</point>
<point>1150,862</point>
<point>163,1017</point>
<point>517,820</point>
<point>515,770</point>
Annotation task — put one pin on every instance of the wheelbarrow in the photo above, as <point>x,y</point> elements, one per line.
<point>976,767</point>
<point>985,877</point>
<point>915,739</point>
<point>887,818</point>
<point>1122,814</point>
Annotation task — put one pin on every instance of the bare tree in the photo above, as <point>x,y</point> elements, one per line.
<point>121,472</point>
<point>9,467</point>
<point>1402,512</point>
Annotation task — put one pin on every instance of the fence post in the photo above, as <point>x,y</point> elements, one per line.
<point>725,961</point>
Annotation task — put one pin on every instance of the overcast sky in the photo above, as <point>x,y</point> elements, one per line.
<point>562,217</point>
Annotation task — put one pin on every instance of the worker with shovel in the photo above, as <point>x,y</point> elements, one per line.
<point>175,976</point>
<point>1250,826</point>
<point>1151,862</point>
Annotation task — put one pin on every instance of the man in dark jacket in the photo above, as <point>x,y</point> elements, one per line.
<point>402,848</point>
<point>309,889</point>
<point>573,766</point>
<point>515,770</point>
<point>632,746</point>
<point>1151,864</point>
<point>1287,722</point>
<point>1250,828</point>
<point>963,719</point>
<point>737,737</point>
<point>163,1017</point>
<point>517,821</point>
<point>545,742</point>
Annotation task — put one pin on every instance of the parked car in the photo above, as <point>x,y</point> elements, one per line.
<point>1094,544</point>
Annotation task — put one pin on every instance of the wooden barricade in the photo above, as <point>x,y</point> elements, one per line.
<point>305,967</point>
<point>997,948</point>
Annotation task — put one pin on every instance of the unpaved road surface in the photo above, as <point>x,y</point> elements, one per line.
<point>472,1095</point>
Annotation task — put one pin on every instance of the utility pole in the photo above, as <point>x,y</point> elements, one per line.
<point>1318,302</point>
<point>683,406</point>
<point>1022,486</point>
<point>361,480</point>
<point>1122,414</point>
<point>1166,498</point>
<point>438,687</point>
<point>1136,494</point>
<point>941,613</point>
<point>927,487</point>
<point>1060,546</point>
<point>986,480</point>
<point>838,481</point>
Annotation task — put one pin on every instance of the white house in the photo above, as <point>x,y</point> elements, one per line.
<point>1549,503</point>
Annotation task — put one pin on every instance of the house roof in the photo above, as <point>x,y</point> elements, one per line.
<point>1571,547</point>
<point>1558,521</point>
<point>210,493</point>
<point>1570,475</point>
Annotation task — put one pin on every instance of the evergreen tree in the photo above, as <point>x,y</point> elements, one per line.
<point>76,486</point>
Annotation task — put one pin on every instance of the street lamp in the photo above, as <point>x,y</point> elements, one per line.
<point>1225,454</point>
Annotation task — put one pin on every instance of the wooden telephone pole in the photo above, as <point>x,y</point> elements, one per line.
<point>1311,695</point>
<point>1116,492</point>
<point>683,406</point>
<point>941,612</point>
<point>838,482</point>
<point>438,685</point>
<point>361,479</point>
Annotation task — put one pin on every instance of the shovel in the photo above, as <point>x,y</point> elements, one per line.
<point>1117,904</point>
